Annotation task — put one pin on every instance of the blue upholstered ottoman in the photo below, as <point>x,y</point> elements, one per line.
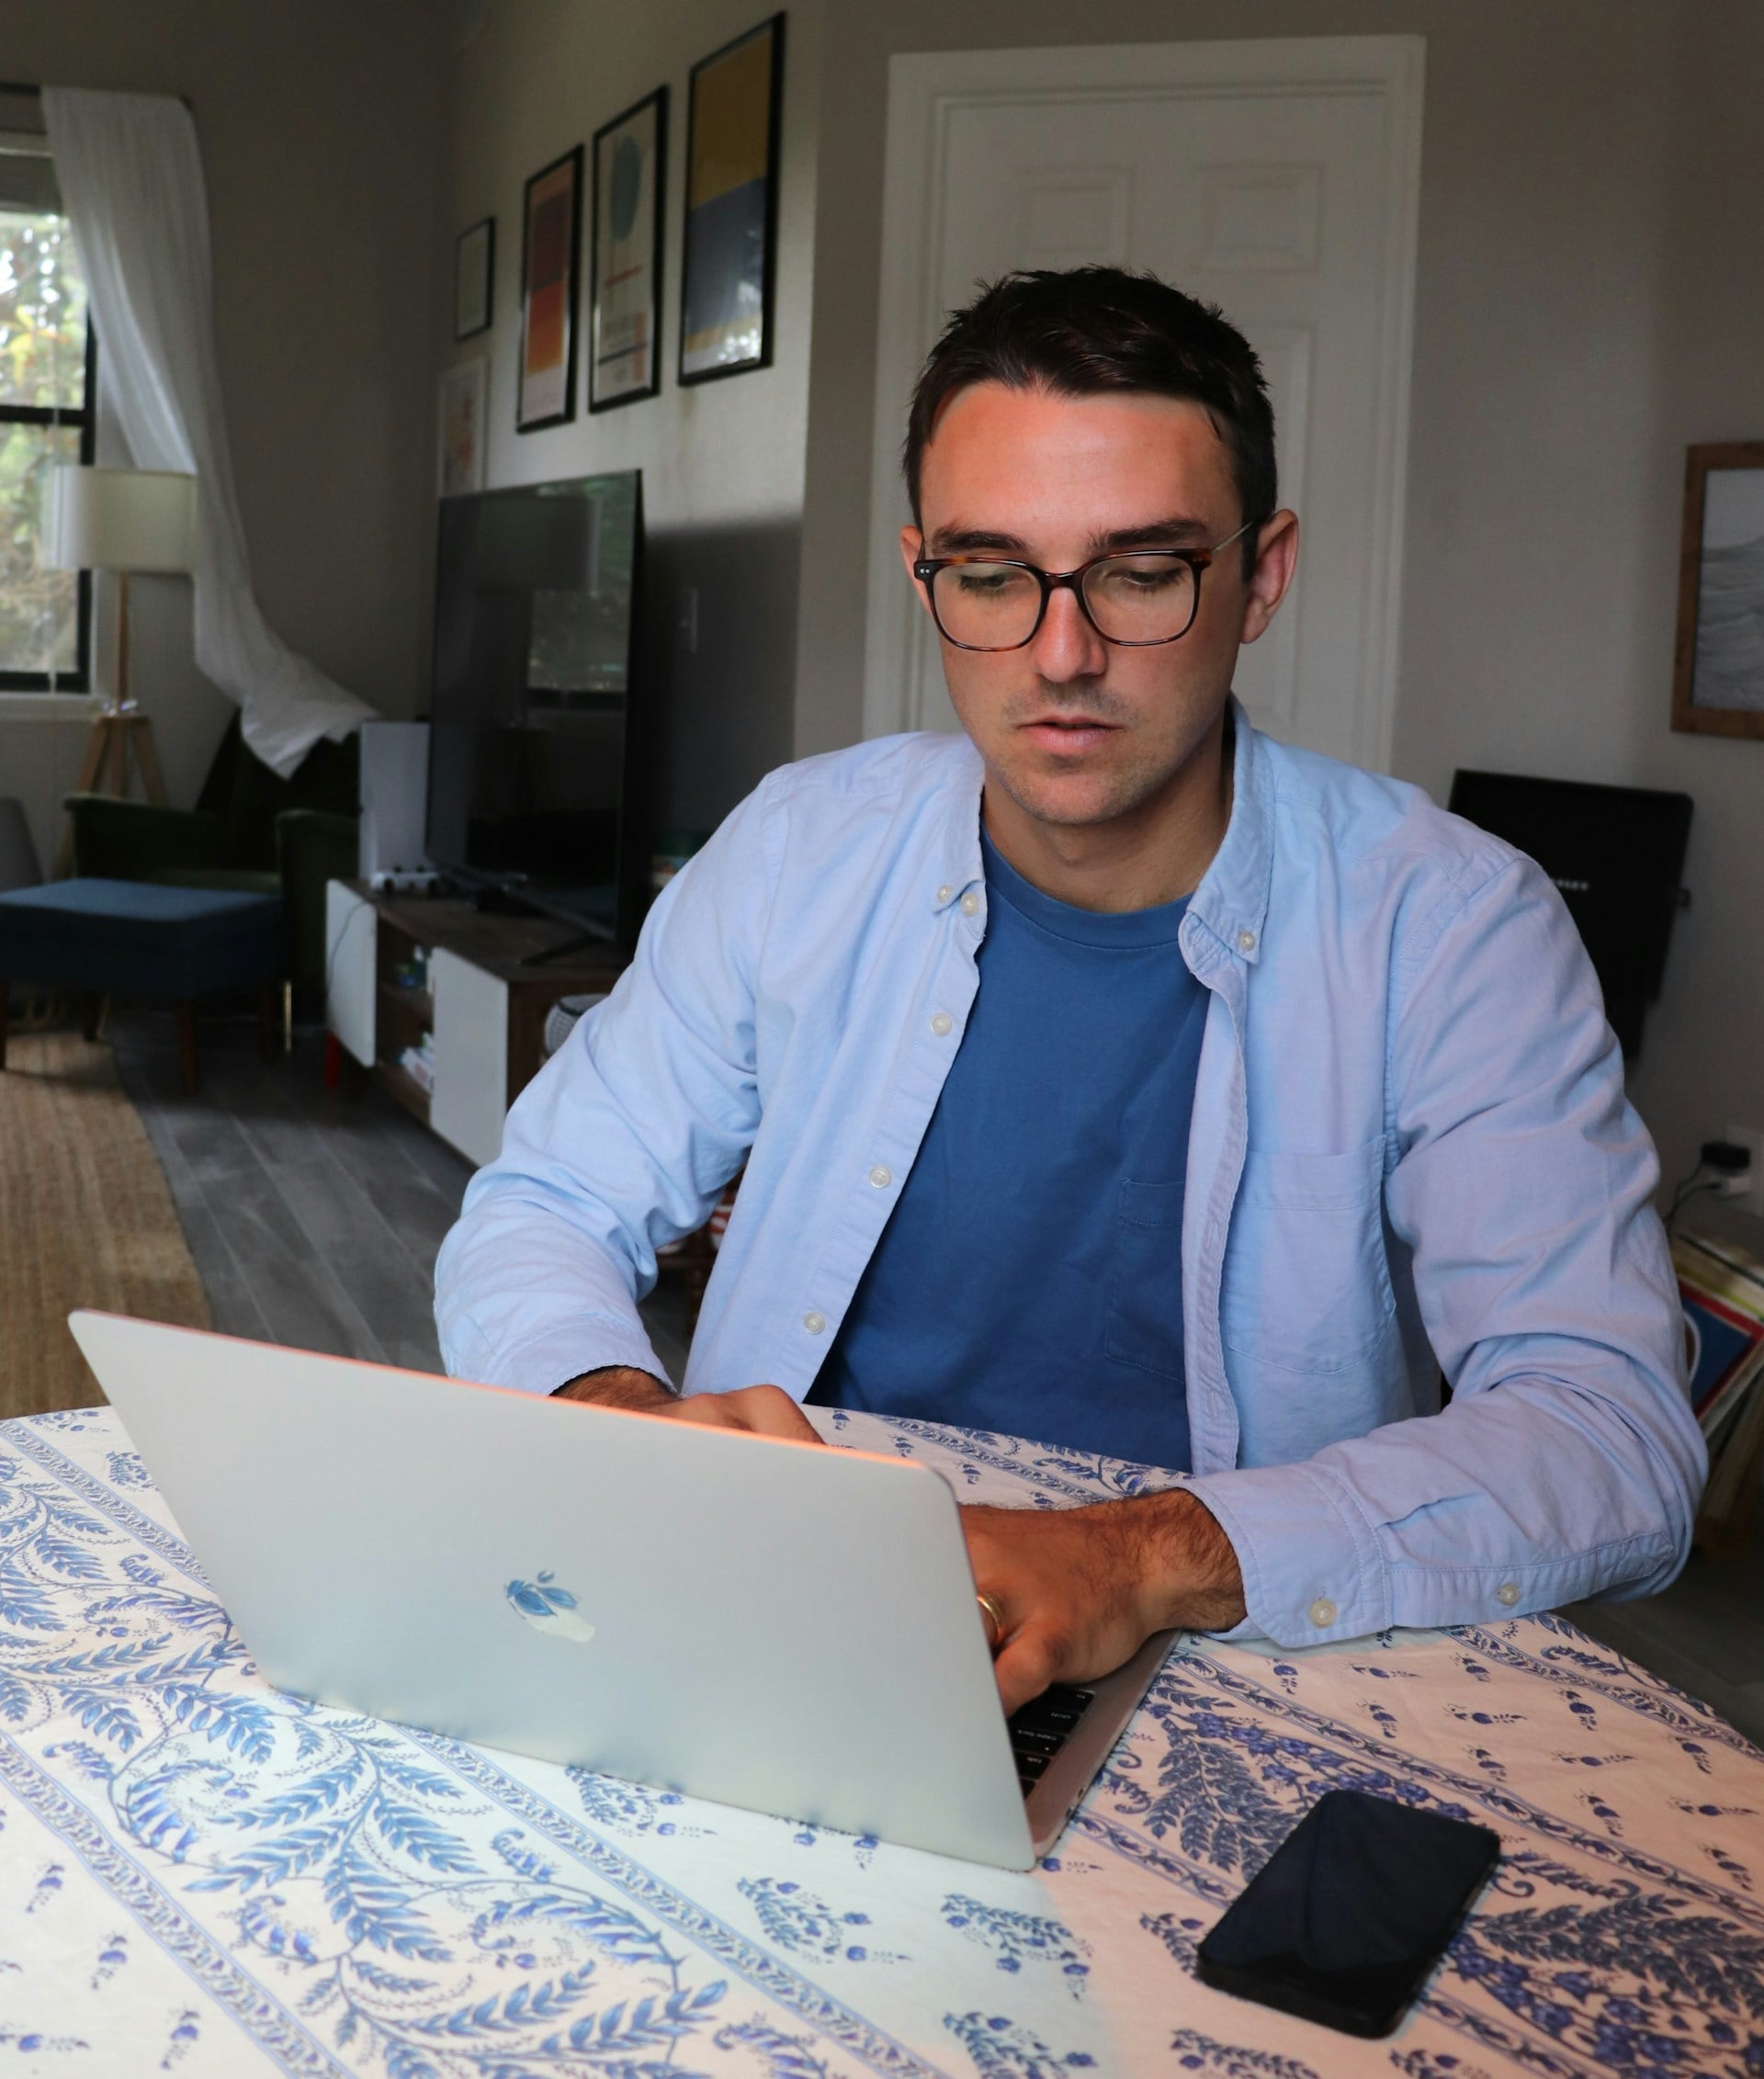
<point>97,937</point>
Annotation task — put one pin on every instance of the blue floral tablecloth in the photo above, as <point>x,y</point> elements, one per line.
<point>201,1875</point>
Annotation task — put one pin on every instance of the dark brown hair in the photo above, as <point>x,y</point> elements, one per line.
<point>1082,331</point>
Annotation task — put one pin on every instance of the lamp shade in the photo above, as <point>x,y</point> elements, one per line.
<point>120,520</point>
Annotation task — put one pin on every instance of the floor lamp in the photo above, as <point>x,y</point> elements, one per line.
<point>121,520</point>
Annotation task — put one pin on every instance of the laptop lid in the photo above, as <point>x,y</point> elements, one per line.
<point>772,1624</point>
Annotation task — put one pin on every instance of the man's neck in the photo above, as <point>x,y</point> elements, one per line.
<point>1156,853</point>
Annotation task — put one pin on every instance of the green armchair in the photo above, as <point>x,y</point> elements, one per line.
<point>249,830</point>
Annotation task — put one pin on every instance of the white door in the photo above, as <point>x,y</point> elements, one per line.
<point>1275,178</point>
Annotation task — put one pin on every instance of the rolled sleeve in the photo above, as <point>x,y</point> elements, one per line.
<point>620,1144</point>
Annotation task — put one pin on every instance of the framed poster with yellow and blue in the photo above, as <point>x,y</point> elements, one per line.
<point>732,207</point>
<point>624,280</point>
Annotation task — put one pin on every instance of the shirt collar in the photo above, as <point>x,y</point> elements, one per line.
<point>959,867</point>
<point>1232,900</point>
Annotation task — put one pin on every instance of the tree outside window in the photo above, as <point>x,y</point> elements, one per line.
<point>46,417</point>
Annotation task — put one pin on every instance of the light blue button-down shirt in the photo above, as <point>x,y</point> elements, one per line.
<point>1410,1150</point>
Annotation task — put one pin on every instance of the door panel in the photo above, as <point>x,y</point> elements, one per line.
<point>1239,174</point>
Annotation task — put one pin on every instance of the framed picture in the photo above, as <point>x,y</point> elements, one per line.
<point>550,289</point>
<point>624,274</point>
<point>459,465</point>
<point>1718,668</point>
<point>474,273</point>
<point>732,207</point>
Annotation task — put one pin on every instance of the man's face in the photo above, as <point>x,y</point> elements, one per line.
<point>1077,730</point>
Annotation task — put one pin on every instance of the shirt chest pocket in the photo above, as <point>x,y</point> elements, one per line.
<point>1306,1283</point>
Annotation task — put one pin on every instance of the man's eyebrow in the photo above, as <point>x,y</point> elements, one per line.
<point>963,541</point>
<point>1174,531</point>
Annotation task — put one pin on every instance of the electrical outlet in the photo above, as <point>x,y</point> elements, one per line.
<point>1751,1137</point>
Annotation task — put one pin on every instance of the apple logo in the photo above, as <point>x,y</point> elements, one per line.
<point>549,1608</point>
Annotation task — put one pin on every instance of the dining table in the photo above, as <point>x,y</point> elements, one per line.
<point>201,1875</point>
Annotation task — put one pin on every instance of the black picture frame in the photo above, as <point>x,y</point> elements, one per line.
<point>724,285</point>
<point>474,279</point>
<point>545,393</point>
<point>605,184</point>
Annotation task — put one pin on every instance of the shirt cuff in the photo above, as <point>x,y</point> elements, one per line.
<point>552,1360</point>
<point>1311,1564</point>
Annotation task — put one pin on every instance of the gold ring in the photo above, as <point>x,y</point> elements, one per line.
<point>994,1618</point>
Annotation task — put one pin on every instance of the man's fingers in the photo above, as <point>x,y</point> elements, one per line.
<point>1022,1669</point>
<point>760,1411</point>
<point>770,1412</point>
<point>710,1411</point>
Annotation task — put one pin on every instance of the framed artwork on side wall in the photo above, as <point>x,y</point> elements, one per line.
<point>732,207</point>
<point>474,272</point>
<point>550,287</point>
<point>1718,675</point>
<point>460,458</point>
<point>625,276</point>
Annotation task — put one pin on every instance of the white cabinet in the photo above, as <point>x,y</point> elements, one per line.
<point>469,1100</point>
<point>351,968</point>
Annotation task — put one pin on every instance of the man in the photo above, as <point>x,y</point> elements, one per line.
<point>1115,1075</point>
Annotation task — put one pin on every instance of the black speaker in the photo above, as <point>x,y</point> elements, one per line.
<point>1616,853</point>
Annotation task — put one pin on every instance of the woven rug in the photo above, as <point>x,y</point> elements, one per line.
<point>85,1219</point>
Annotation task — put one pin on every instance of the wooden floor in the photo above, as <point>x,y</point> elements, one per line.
<point>315,1221</point>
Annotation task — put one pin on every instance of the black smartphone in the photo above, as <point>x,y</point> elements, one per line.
<point>1346,1919</point>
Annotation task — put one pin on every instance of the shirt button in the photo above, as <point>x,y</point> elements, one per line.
<point>881,1177</point>
<point>814,1323</point>
<point>1507,1594</point>
<point>970,904</point>
<point>1321,1613</point>
<point>945,893</point>
<point>1245,941</point>
<point>941,1022</point>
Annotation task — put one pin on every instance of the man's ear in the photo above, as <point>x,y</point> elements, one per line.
<point>1276,560</point>
<point>912,547</point>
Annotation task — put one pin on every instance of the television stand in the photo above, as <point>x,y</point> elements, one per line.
<point>490,980</point>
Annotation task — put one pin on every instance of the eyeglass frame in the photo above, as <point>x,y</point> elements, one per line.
<point>925,569</point>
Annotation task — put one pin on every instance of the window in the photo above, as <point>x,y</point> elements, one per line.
<point>46,416</point>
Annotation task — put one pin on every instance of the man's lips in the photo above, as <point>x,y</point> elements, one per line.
<point>1068,732</point>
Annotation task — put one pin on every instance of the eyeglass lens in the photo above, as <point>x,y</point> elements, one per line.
<point>1149,598</point>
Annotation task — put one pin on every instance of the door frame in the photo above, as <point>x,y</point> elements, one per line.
<point>926,88</point>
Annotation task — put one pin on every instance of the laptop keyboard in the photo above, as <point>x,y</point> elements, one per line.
<point>1042,1727</point>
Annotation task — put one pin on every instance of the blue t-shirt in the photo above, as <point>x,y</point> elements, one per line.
<point>1029,1280</point>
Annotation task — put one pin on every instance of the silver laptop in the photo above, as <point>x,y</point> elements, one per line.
<point>772,1624</point>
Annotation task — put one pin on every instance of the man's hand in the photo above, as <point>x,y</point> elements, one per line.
<point>762,1411</point>
<point>1083,1589</point>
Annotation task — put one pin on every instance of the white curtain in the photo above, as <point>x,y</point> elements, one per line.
<point>131,178</point>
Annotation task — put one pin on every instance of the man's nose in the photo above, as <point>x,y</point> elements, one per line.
<point>1066,646</point>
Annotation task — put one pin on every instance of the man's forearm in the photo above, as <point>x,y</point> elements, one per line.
<point>618,1386</point>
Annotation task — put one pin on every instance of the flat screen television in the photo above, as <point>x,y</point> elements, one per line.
<point>538,779</point>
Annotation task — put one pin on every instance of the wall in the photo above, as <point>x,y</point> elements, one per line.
<point>321,125</point>
<point>1588,300</point>
<point>722,462</point>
